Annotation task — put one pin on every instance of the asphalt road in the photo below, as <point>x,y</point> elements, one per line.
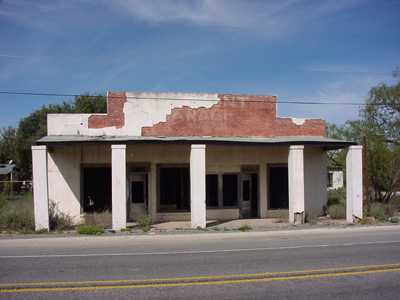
<point>350,263</point>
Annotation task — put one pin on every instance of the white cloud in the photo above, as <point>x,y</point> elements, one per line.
<point>267,17</point>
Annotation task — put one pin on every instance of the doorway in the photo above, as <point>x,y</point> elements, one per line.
<point>278,187</point>
<point>138,185</point>
<point>96,183</point>
<point>248,195</point>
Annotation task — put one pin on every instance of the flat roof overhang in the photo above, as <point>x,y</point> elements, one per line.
<point>317,141</point>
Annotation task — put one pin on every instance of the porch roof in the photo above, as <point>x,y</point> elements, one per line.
<point>325,142</point>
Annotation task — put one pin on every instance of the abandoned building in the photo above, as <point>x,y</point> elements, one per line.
<point>184,156</point>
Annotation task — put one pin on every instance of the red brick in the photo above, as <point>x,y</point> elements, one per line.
<point>115,112</point>
<point>234,115</point>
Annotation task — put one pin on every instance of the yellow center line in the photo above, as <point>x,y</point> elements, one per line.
<point>183,284</point>
<point>206,277</point>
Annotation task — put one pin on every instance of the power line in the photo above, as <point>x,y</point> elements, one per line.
<point>301,102</point>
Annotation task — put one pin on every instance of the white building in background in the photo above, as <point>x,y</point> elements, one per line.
<point>183,156</point>
<point>335,179</point>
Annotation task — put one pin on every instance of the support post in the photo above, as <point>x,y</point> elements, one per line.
<point>296,184</point>
<point>198,186</point>
<point>40,187</point>
<point>354,184</point>
<point>118,186</point>
<point>263,186</point>
<point>152,198</point>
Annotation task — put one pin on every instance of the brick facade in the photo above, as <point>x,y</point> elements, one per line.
<point>234,115</point>
<point>115,112</point>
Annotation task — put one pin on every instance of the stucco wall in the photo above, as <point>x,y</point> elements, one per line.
<point>65,162</point>
<point>315,181</point>
<point>64,180</point>
<point>138,110</point>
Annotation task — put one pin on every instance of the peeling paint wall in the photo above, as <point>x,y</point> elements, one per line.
<point>185,114</point>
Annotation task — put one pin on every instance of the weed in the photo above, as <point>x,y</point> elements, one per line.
<point>59,220</point>
<point>90,230</point>
<point>144,223</point>
<point>245,228</point>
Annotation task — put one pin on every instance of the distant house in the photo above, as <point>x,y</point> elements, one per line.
<point>184,156</point>
<point>335,179</point>
<point>6,171</point>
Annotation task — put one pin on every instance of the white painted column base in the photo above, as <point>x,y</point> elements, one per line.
<point>118,186</point>
<point>40,187</point>
<point>198,186</point>
<point>354,184</point>
<point>296,184</point>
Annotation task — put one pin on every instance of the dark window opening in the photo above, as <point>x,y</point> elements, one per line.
<point>330,179</point>
<point>230,189</point>
<point>174,189</point>
<point>96,189</point>
<point>138,191</point>
<point>278,187</point>
<point>212,190</point>
<point>254,195</point>
<point>246,190</point>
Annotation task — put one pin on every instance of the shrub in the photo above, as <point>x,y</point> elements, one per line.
<point>90,229</point>
<point>102,219</point>
<point>380,211</point>
<point>395,203</point>
<point>245,228</point>
<point>59,220</point>
<point>144,223</point>
<point>337,211</point>
<point>337,196</point>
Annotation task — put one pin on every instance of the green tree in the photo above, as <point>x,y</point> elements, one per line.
<point>379,129</point>
<point>90,104</point>
<point>8,150</point>
<point>34,126</point>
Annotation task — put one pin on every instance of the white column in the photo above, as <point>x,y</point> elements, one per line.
<point>118,183</point>
<point>198,186</point>
<point>40,187</point>
<point>354,184</point>
<point>263,199</point>
<point>296,184</point>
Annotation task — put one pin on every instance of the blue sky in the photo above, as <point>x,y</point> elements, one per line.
<point>295,49</point>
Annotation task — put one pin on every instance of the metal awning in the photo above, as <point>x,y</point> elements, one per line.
<point>328,143</point>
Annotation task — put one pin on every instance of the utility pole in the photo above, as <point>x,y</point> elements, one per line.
<point>365,171</point>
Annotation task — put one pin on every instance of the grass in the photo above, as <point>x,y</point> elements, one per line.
<point>90,230</point>
<point>102,219</point>
<point>16,213</point>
